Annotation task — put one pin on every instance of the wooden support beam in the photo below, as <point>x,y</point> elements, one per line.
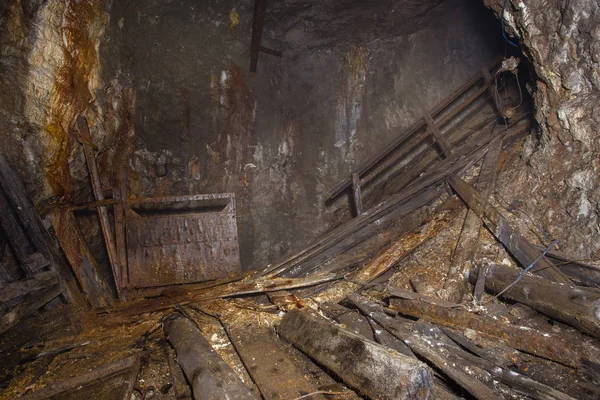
<point>88,148</point>
<point>10,291</point>
<point>30,220</point>
<point>358,206</point>
<point>516,244</point>
<point>575,307</point>
<point>433,129</point>
<point>257,30</point>
<point>468,241</point>
<point>366,366</point>
<point>210,377</point>
<point>81,259</point>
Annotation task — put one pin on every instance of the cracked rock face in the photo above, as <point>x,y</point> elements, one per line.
<point>557,180</point>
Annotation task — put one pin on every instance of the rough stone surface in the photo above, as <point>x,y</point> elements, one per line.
<point>554,185</point>
<point>173,109</point>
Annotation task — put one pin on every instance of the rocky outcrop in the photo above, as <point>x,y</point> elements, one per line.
<point>555,182</point>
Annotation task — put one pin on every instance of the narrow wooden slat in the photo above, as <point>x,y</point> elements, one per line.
<point>358,206</point>
<point>433,129</point>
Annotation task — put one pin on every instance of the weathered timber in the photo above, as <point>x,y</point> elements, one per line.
<point>109,240</point>
<point>384,214</point>
<point>180,385</point>
<point>14,234</point>
<point>350,320</point>
<point>9,271</point>
<point>285,300</point>
<point>18,308</point>
<point>546,345</point>
<point>480,284</point>
<point>573,306</point>
<point>81,259</point>
<point>365,167</point>
<point>458,274</point>
<point>433,129</point>
<point>265,359</point>
<point>516,244</point>
<point>364,365</point>
<point>127,367</point>
<point>30,220</point>
<point>9,291</point>
<point>581,273</point>
<point>356,194</point>
<point>120,236</point>
<point>257,30</point>
<point>211,378</point>
<point>424,349</point>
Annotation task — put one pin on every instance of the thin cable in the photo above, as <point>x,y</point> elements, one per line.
<point>502,21</point>
<point>527,269</point>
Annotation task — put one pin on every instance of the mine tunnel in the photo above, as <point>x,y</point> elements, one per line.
<point>285,200</point>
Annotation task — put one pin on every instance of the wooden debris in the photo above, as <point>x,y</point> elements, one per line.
<point>552,346</point>
<point>348,319</point>
<point>14,234</point>
<point>458,275</point>
<point>518,246</point>
<point>127,367</point>
<point>81,259</point>
<point>424,349</point>
<point>208,374</point>
<point>10,291</point>
<point>180,385</point>
<point>581,273</point>
<point>364,365</point>
<point>285,300</point>
<point>573,306</point>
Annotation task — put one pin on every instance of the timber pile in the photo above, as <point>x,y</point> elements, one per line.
<point>345,317</point>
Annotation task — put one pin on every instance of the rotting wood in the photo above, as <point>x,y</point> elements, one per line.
<point>17,309</point>
<point>364,365</point>
<point>21,203</point>
<point>81,259</point>
<point>552,346</point>
<point>433,129</point>
<point>180,385</point>
<point>518,246</point>
<point>480,284</point>
<point>88,149</point>
<point>285,300</point>
<point>365,167</point>
<point>459,161</point>
<point>211,378</point>
<point>348,319</point>
<point>581,273</point>
<point>119,367</point>
<point>9,291</point>
<point>385,260</point>
<point>264,357</point>
<point>573,306</point>
<point>468,241</point>
<point>423,348</point>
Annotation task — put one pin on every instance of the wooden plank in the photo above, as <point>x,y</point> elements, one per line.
<point>433,129</point>
<point>358,206</point>
<point>120,237</point>
<point>88,148</point>
<point>265,359</point>
<point>575,307</point>
<point>30,220</point>
<point>257,30</point>
<point>14,234</point>
<point>10,291</point>
<point>516,244</point>
<point>82,261</point>
<point>210,377</point>
<point>457,278</point>
<point>364,365</point>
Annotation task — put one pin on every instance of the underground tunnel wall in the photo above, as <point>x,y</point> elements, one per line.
<point>174,110</point>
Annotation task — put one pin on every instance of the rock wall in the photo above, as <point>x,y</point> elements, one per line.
<point>556,180</point>
<point>173,109</point>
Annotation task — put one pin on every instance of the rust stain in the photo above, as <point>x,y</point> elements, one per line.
<point>70,95</point>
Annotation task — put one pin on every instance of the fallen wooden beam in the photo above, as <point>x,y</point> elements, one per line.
<point>581,273</point>
<point>210,377</point>
<point>516,244</point>
<point>425,349</point>
<point>573,306</point>
<point>468,241</point>
<point>552,346</point>
<point>10,291</point>
<point>364,365</point>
